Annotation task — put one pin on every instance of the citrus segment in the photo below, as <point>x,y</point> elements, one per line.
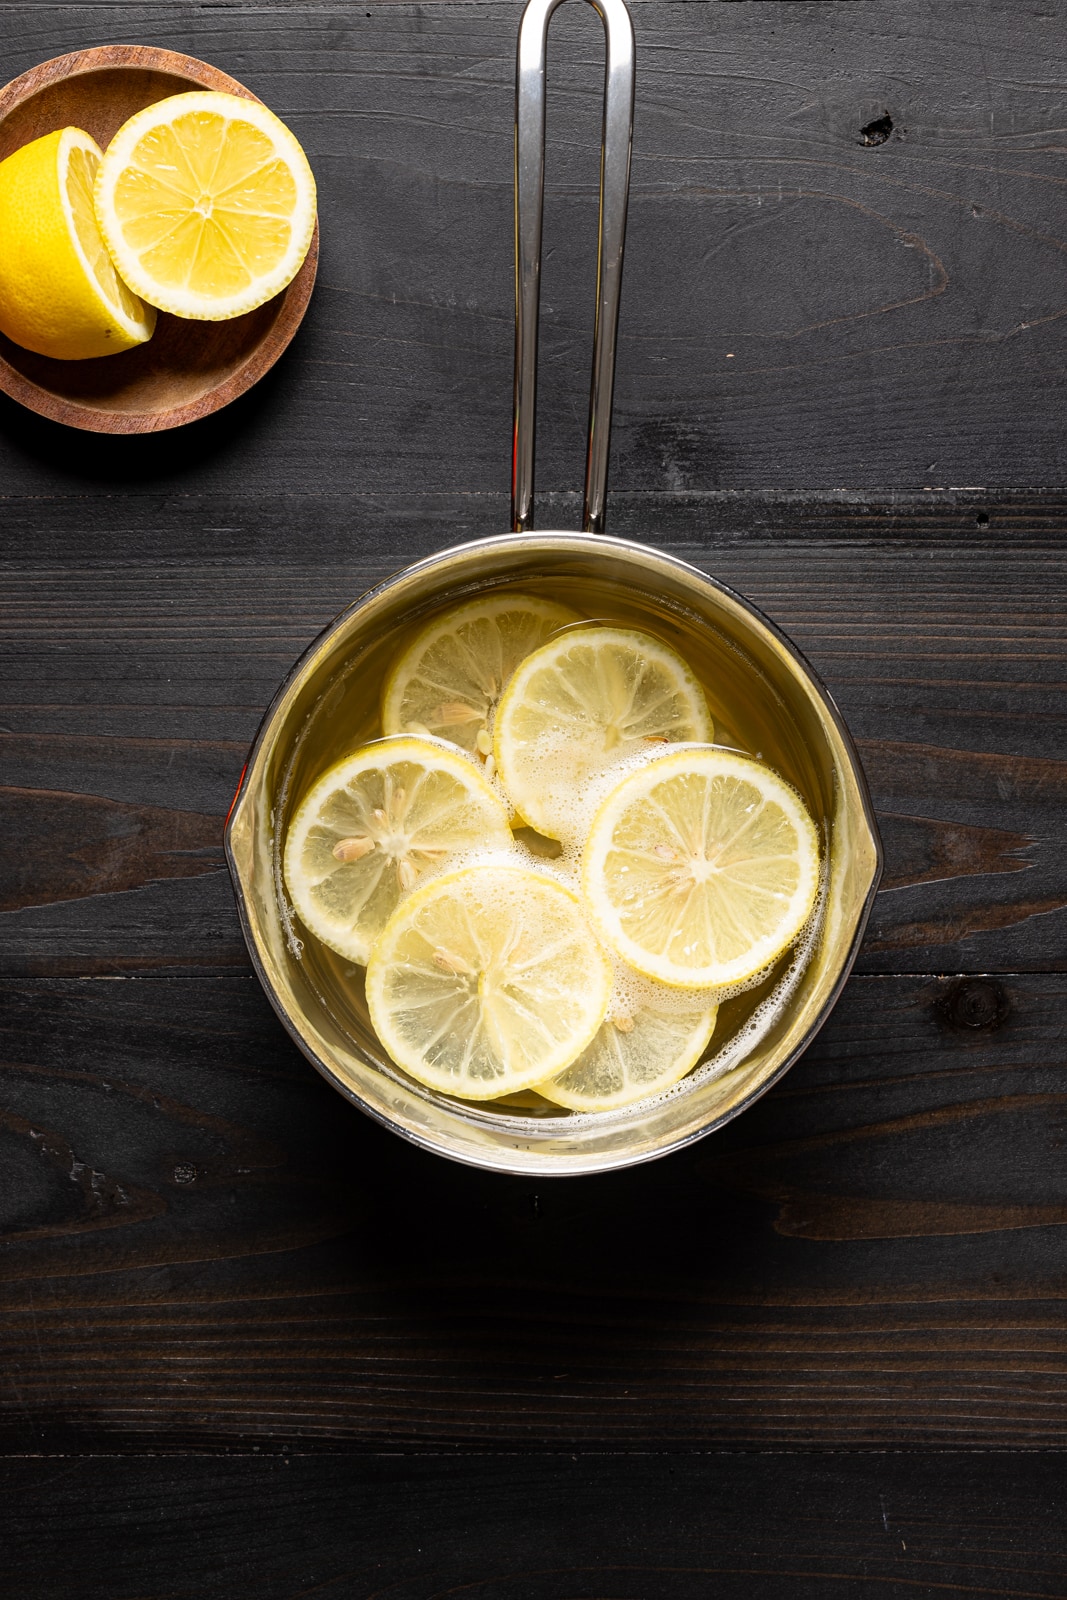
<point>375,824</point>
<point>640,1049</point>
<point>701,867</point>
<point>486,981</point>
<point>59,292</point>
<point>450,678</point>
<point>581,703</point>
<point>207,204</point>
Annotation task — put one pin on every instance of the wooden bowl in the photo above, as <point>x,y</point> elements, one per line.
<point>187,369</point>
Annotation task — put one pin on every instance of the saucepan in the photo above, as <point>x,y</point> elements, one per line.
<point>326,697</point>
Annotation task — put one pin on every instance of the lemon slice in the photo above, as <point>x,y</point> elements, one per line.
<point>59,293</point>
<point>581,703</point>
<point>450,678</point>
<point>486,981</point>
<point>376,823</point>
<point>701,867</point>
<point>207,204</point>
<point>641,1048</point>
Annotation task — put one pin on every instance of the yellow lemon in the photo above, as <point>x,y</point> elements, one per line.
<point>486,981</point>
<point>701,867</point>
<point>376,823</point>
<point>59,292</point>
<point>587,699</point>
<point>451,676</point>
<point>650,1040</point>
<point>207,204</point>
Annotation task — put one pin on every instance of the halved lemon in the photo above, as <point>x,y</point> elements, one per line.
<point>451,676</point>
<point>701,867</point>
<point>207,204</point>
<point>645,1044</point>
<point>486,981</point>
<point>581,703</point>
<point>59,293</point>
<point>376,823</point>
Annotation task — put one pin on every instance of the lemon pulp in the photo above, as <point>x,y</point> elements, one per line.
<point>701,868</point>
<point>450,678</point>
<point>207,203</point>
<point>377,823</point>
<point>487,981</point>
<point>640,1049</point>
<point>586,700</point>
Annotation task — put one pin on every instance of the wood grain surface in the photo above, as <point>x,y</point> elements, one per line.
<point>205,1246</point>
<point>556,1528</point>
<point>801,309</point>
<point>134,687</point>
<point>840,389</point>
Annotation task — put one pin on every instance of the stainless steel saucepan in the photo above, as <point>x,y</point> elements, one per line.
<point>333,683</point>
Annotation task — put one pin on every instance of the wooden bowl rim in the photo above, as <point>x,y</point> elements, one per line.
<point>295,297</point>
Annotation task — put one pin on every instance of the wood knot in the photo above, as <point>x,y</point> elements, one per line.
<point>877,131</point>
<point>974,1003</point>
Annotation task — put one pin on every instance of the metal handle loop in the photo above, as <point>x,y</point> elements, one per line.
<point>529,208</point>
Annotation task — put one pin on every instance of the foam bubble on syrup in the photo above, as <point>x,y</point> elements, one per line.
<point>578,805</point>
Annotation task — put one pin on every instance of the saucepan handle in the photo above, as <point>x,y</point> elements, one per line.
<point>529,207</point>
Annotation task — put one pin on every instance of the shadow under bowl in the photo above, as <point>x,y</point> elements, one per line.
<point>188,369</point>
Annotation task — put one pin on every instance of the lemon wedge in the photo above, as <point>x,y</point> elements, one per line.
<point>486,981</point>
<point>59,293</point>
<point>581,703</point>
<point>701,867</point>
<point>451,676</point>
<point>646,1044</point>
<point>376,823</point>
<point>207,204</point>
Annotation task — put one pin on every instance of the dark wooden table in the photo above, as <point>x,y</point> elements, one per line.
<point>253,1344</point>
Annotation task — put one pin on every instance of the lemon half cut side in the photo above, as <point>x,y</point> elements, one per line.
<point>701,867</point>
<point>376,824</point>
<point>207,204</point>
<point>60,295</point>
<point>487,981</point>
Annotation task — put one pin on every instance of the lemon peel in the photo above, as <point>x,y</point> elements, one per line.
<point>60,295</point>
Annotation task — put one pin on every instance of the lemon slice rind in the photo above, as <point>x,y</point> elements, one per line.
<point>570,713</point>
<point>708,914</point>
<point>451,676</point>
<point>376,824</point>
<point>255,254</point>
<point>487,981</point>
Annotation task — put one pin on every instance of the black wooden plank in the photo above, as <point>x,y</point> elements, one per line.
<point>133,684</point>
<point>801,307</point>
<point>741,1527</point>
<point>203,1246</point>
